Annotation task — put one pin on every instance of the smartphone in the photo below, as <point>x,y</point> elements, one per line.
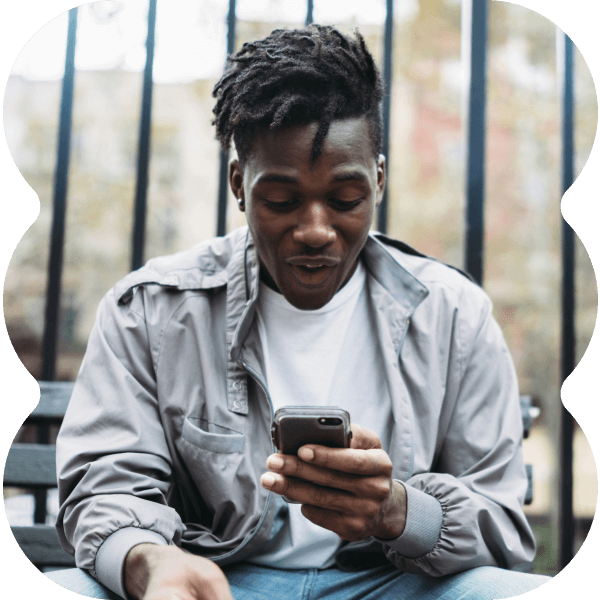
<point>294,426</point>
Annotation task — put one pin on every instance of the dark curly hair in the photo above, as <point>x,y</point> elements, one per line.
<point>295,77</point>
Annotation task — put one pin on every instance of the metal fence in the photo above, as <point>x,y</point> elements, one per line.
<point>474,32</point>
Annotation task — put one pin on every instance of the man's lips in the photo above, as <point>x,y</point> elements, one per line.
<point>313,262</point>
<point>312,271</point>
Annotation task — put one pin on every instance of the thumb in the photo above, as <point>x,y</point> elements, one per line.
<point>363,438</point>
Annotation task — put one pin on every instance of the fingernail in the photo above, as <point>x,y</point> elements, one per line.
<point>267,480</point>
<point>306,454</point>
<point>275,462</point>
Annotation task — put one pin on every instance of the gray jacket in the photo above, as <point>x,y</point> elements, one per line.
<point>168,429</point>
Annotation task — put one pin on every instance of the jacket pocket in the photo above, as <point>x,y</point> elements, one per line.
<point>211,437</point>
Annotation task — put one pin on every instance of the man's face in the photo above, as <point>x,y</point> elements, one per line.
<point>309,221</point>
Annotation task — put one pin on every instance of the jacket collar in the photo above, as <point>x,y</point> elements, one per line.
<point>385,265</point>
<point>242,291</point>
<point>233,261</point>
<point>405,291</point>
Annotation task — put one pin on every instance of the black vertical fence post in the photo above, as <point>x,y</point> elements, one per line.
<point>57,238</point>
<point>309,11</point>
<point>388,47</point>
<point>143,156</point>
<point>475,27</point>
<point>565,70</point>
<point>224,156</point>
<point>59,210</point>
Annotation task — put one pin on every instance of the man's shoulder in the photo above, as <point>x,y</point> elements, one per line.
<point>204,266</point>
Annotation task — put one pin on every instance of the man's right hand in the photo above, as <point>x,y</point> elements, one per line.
<point>154,572</point>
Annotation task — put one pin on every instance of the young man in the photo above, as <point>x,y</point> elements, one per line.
<point>162,453</point>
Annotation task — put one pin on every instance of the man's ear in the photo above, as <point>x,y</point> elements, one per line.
<point>236,182</point>
<point>381,179</point>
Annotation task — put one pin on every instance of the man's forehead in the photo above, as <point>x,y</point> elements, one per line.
<point>338,128</point>
<point>347,140</point>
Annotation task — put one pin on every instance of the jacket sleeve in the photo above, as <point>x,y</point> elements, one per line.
<point>468,513</point>
<point>113,463</point>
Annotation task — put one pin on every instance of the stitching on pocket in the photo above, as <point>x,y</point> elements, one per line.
<point>224,443</point>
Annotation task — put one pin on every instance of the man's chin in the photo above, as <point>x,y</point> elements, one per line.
<point>309,300</point>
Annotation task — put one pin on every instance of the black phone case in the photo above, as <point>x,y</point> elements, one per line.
<point>294,427</point>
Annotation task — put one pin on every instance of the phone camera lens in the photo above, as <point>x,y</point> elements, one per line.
<point>330,421</point>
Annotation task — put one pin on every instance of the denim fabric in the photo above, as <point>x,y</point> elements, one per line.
<point>254,582</point>
<point>81,582</point>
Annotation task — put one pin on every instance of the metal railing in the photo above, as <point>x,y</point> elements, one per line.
<point>475,15</point>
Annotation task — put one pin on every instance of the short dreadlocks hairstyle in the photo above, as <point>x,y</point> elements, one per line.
<point>296,77</point>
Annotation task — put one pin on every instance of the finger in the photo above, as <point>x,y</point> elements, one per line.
<point>306,493</point>
<point>363,438</point>
<point>348,528</point>
<point>291,466</point>
<point>374,462</point>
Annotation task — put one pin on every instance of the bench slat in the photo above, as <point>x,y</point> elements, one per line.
<point>31,465</point>
<point>41,546</point>
<point>54,399</point>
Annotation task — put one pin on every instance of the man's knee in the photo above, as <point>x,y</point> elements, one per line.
<point>492,583</point>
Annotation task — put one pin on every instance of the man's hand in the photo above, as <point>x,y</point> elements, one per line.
<point>355,495</point>
<point>154,572</point>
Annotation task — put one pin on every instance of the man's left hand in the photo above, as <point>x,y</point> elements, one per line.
<point>349,491</point>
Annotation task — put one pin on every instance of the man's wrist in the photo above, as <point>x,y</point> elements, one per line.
<point>394,518</point>
<point>138,565</point>
<point>169,572</point>
<point>423,524</point>
<point>111,556</point>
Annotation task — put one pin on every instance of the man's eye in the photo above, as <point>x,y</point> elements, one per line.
<point>279,204</point>
<point>344,204</point>
<point>287,204</point>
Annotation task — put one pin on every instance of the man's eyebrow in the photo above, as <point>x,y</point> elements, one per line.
<point>351,176</point>
<point>276,178</point>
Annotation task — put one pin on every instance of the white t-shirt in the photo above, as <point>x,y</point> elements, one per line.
<point>310,359</point>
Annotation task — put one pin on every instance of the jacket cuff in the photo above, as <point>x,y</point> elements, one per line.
<point>424,517</point>
<point>110,559</point>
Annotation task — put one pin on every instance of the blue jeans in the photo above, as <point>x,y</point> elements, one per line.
<point>253,582</point>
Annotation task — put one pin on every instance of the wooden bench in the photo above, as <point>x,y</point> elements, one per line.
<point>34,466</point>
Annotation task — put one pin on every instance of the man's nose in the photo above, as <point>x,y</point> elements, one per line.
<point>314,228</point>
